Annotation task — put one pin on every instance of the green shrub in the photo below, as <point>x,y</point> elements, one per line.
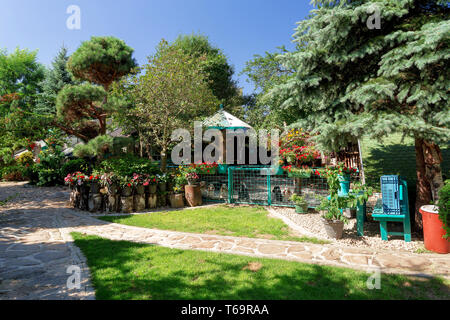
<point>73,166</point>
<point>126,165</point>
<point>13,173</point>
<point>98,147</point>
<point>32,173</point>
<point>49,167</point>
<point>25,159</point>
<point>49,177</point>
<point>444,207</point>
<point>84,151</point>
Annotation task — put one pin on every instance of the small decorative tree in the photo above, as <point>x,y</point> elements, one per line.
<point>100,61</point>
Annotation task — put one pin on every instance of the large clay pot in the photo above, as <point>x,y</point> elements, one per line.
<point>85,190</point>
<point>176,200</point>
<point>140,190</point>
<point>127,191</point>
<point>95,187</point>
<point>127,204</point>
<point>152,188</point>
<point>113,203</point>
<point>433,231</point>
<point>193,195</point>
<point>334,228</point>
<point>162,186</point>
<point>97,201</point>
<point>152,201</point>
<point>139,202</point>
<point>112,189</point>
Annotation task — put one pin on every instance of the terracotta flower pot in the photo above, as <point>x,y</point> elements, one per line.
<point>193,195</point>
<point>433,231</point>
<point>176,200</point>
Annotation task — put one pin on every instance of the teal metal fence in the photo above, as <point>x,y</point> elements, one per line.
<point>255,185</point>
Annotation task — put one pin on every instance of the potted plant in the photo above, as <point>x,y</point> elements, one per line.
<point>83,188</point>
<point>206,168</point>
<point>162,182</point>
<point>436,230</point>
<point>332,218</point>
<point>192,190</point>
<point>192,178</point>
<point>138,183</point>
<point>301,205</point>
<point>177,198</point>
<point>111,182</point>
<point>345,176</point>
<point>126,185</point>
<point>94,180</point>
<point>151,183</point>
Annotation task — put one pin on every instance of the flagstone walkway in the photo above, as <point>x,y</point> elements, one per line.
<point>36,247</point>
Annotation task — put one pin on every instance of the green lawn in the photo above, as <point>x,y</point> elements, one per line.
<point>249,222</point>
<point>125,270</point>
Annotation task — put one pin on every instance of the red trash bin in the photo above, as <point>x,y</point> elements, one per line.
<point>433,231</point>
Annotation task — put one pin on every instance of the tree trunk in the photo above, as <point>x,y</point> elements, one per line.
<point>423,188</point>
<point>429,175</point>
<point>433,160</point>
<point>164,159</point>
<point>70,131</point>
<point>102,122</point>
<point>141,145</point>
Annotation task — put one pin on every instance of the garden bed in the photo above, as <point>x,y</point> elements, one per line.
<point>312,223</point>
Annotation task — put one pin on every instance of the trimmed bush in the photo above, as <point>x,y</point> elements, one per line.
<point>127,165</point>
<point>72,166</point>
<point>444,207</point>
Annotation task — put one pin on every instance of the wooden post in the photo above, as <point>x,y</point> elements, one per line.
<point>362,174</point>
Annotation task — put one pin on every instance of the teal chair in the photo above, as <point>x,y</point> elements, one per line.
<point>393,207</point>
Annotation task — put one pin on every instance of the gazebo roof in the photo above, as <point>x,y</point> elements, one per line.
<point>224,120</point>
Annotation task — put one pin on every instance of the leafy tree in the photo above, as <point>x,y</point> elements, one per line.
<point>84,108</point>
<point>20,75</point>
<point>219,73</point>
<point>265,72</point>
<point>352,80</point>
<point>169,95</point>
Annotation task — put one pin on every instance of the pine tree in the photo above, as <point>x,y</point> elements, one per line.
<point>353,79</point>
<point>55,79</point>
<point>82,109</point>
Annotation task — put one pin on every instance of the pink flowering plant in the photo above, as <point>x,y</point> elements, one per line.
<point>149,180</point>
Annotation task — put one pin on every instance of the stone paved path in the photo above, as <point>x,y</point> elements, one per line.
<point>36,247</point>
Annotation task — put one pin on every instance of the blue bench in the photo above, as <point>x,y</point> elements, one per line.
<point>393,207</point>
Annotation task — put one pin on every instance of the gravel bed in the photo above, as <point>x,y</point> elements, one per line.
<point>312,222</point>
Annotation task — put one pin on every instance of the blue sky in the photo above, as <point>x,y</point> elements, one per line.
<point>241,28</point>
